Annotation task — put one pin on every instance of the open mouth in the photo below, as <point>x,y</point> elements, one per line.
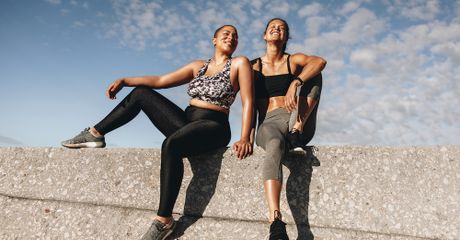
<point>230,44</point>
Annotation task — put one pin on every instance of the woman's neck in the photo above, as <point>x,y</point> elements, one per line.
<point>274,53</point>
<point>220,58</point>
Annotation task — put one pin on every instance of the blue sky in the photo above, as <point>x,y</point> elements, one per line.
<point>392,76</point>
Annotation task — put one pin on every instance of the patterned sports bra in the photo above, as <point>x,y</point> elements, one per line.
<point>216,89</point>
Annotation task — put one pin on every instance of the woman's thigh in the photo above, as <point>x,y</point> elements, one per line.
<point>198,137</point>
<point>275,126</point>
<point>268,131</point>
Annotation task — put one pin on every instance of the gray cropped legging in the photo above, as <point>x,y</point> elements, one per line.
<point>271,136</point>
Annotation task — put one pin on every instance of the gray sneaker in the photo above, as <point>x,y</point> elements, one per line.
<point>85,140</point>
<point>159,230</point>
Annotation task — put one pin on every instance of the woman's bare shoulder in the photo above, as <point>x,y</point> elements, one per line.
<point>240,61</point>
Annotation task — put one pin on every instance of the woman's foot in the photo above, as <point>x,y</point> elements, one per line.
<point>159,230</point>
<point>85,139</point>
<point>278,228</point>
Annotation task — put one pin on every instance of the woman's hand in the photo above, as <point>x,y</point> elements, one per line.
<point>114,88</point>
<point>290,100</point>
<point>242,149</point>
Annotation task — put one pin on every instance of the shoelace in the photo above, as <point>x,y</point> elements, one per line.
<point>78,138</point>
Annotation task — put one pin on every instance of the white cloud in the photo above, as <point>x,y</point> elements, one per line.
<point>190,7</point>
<point>449,49</point>
<point>361,25</point>
<point>278,8</point>
<point>78,24</point>
<point>140,23</point>
<point>212,17</point>
<point>349,7</point>
<point>204,47</point>
<point>441,32</point>
<point>54,2</point>
<point>258,46</point>
<point>365,58</point>
<point>64,12</point>
<point>418,10</point>
<point>238,12</point>
<point>257,4</point>
<point>315,23</point>
<point>257,26</point>
<point>457,12</point>
<point>310,10</point>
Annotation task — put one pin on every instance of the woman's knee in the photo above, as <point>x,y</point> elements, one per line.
<point>275,144</point>
<point>264,134</point>
<point>141,91</point>
<point>169,145</point>
<point>170,154</point>
<point>263,130</point>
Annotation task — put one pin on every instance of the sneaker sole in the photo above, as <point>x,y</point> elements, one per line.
<point>85,145</point>
<point>298,150</point>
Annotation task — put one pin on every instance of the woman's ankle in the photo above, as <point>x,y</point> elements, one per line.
<point>164,220</point>
<point>95,133</point>
<point>275,214</point>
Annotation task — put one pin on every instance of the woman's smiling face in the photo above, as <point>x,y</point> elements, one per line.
<point>226,39</point>
<point>276,31</point>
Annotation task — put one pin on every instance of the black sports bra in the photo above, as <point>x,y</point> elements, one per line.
<point>272,86</point>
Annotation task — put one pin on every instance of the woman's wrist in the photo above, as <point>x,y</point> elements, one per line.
<point>245,139</point>
<point>299,81</point>
<point>122,81</point>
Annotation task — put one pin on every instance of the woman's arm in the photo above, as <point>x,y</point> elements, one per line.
<point>311,66</point>
<point>243,147</point>
<point>180,76</point>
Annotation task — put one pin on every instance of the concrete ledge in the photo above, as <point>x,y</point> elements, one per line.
<point>355,193</point>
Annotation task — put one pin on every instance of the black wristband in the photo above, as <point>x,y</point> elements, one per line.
<point>300,80</point>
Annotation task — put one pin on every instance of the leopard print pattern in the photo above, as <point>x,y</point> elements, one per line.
<point>216,89</point>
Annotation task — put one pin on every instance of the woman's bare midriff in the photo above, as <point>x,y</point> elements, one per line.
<point>206,105</point>
<point>275,102</point>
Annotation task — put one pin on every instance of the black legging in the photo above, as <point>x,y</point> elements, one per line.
<point>190,132</point>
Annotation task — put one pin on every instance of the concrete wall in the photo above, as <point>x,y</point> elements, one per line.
<point>341,192</point>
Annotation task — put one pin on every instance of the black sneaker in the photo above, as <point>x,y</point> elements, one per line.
<point>159,230</point>
<point>85,140</point>
<point>278,229</point>
<point>295,142</point>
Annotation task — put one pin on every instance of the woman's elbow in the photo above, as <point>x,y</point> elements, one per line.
<point>321,62</point>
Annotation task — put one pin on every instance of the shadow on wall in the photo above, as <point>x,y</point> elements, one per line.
<point>201,188</point>
<point>298,189</point>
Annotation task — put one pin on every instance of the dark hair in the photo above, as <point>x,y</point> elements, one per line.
<point>217,31</point>
<point>287,30</point>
